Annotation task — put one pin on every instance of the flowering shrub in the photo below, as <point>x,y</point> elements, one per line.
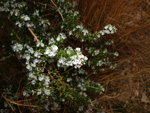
<point>58,57</point>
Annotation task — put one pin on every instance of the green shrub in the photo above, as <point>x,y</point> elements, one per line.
<point>58,53</point>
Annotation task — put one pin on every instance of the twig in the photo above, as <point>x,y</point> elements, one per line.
<point>19,109</point>
<point>8,103</point>
<point>18,104</point>
<point>58,10</point>
<point>19,86</point>
<point>33,34</point>
<point>6,57</point>
<point>18,37</point>
<point>67,70</point>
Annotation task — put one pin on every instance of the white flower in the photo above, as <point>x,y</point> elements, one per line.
<point>106,27</point>
<point>61,36</point>
<point>78,49</point>
<point>61,60</point>
<point>47,51</point>
<point>35,61</point>
<point>18,23</point>
<point>51,51</point>
<point>32,76</point>
<point>102,32</point>
<point>79,27</point>
<point>85,94</point>
<point>70,32</point>
<point>107,31</point>
<point>25,17</point>
<point>105,51</point>
<point>47,92</point>
<point>96,52</point>
<point>58,38</point>
<point>36,13</point>
<point>98,36</point>
<point>30,49</point>
<point>27,56</point>
<point>54,48</point>
<point>110,28</point>
<point>103,89</point>
<point>76,12</point>
<point>63,100</point>
<point>81,108</point>
<point>29,67</point>
<point>40,44</point>
<point>100,63</point>
<point>28,25</point>
<point>37,54</point>
<point>116,54</point>
<point>24,93</point>
<point>85,32</point>
<point>33,82</point>
<point>17,47</point>
<point>62,27</point>
<point>32,91</point>
<point>69,79</point>
<point>39,92</point>
<point>41,77</point>
<point>47,81</point>
<point>68,51</point>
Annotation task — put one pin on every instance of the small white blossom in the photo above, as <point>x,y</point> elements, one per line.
<point>47,81</point>
<point>33,82</point>
<point>39,92</point>
<point>25,17</point>
<point>37,54</point>
<point>17,47</point>
<point>78,49</point>
<point>70,32</point>
<point>26,56</point>
<point>51,51</point>
<point>61,36</point>
<point>47,92</point>
<point>36,13</point>
<point>41,77</point>
<point>24,93</point>
<point>116,54</point>
<point>40,44</point>
<point>18,23</point>
<point>81,108</point>
<point>54,48</point>
<point>29,67</point>
<point>69,79</point>
<point>85,32</point>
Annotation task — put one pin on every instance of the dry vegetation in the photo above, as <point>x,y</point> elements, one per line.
<point>130,81</point>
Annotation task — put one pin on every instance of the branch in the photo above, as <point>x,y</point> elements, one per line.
<point>58,10</point>
<point>33,34</point>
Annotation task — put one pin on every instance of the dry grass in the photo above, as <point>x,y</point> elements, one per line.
<point>130,81</point>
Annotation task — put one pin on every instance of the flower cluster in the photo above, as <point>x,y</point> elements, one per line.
<point>61,37</point>
<point>51,51</point>
<point>58,59</point>
<point>72,58</point>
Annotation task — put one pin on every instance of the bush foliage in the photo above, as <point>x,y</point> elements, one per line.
<point>57,53</point>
